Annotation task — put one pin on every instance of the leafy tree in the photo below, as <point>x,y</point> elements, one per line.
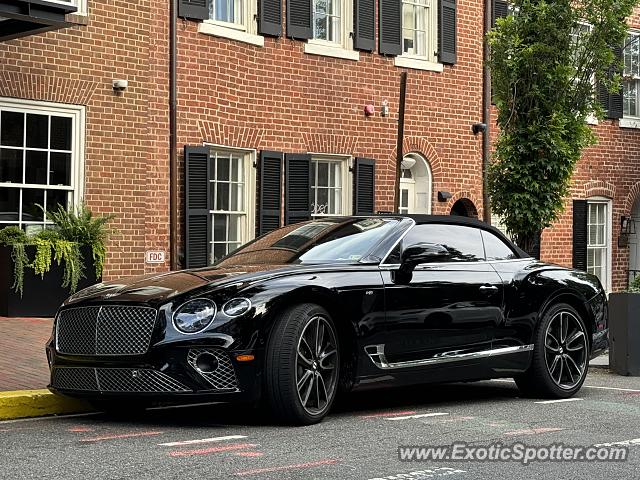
<point>545,63</point>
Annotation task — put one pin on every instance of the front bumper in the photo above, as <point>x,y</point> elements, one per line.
<point>166,373</point>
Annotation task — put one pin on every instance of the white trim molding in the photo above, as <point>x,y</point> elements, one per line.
<point>629,122</point>
<point>209,27</point>
<point>316,48</point>
<point>417,63</point>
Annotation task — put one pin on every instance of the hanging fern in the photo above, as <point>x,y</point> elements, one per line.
<point>69,253</point>
<point>99,254</point>
<point>42,262</point>
<point>20,261</point>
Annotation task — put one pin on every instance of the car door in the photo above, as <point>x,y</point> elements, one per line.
<point>448,310</point>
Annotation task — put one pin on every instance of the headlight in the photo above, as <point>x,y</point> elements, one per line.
<point>194,316</point>
<point>236,307</point>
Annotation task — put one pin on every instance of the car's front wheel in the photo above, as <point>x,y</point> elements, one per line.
<point>302,365</point>
<point>560,357</point>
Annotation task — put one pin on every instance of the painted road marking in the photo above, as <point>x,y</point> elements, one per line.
<point>80,429</point>
<point>561,400</point>
<point>422,474</point>
<point>250,454</point>
<point>534,431</point>
<point>207,451</point>
<point>624,443</point>
<point>119,436</point>
<point>203,440</point>
<point>614,388</point>
<point>54,417</point>
<point>388,414</point>
<point>256,471</point>
<point>421,415</point>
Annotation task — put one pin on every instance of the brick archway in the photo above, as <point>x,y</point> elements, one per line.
<point>598,188</point>
<point>634,194</point>
<point>465,195</point>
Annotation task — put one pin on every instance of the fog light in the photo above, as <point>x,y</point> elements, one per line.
<point>206,362</point>
<point>236,307</point>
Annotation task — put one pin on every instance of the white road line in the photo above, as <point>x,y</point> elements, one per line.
<point>420,415</point>
<point>50,417</point>
<point>203,440</point>
<point>613,388</point>
<point>624,443</point>
<point>562,400</point>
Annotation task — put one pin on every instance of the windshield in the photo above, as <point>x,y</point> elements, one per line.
<point>330,240</point>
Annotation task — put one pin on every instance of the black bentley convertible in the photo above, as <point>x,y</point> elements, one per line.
<point>334,304</point>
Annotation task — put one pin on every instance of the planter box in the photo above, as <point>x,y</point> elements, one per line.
<point>42,296</point>
<point>624,333</point>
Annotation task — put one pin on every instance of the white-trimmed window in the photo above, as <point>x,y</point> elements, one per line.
<point>233,19</point>
<point>41,160</point>
<point>330,186</point>
<point>415,185</point>
<point>599,240</point>
<point>233,200</point>
<point>81,5</point>
<point>419,34</point>
<point>631,83</point>
<point>332,29</point>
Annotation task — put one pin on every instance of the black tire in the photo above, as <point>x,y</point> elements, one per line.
<point>284,367</point>
<point>538,381</point>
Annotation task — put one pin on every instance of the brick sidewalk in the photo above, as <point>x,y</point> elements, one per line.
<point>23,362</point>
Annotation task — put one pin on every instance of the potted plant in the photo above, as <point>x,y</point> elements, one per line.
<point>38,272</point>
<point>624,330</point>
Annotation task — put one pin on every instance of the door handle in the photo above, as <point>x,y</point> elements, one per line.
<point>489,289</point>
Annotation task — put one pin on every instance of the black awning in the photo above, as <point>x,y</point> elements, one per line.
<point>19,18</point>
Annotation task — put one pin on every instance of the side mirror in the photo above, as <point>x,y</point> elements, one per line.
<point>423,253</point>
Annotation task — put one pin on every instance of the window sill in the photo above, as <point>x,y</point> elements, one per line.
<point>77,18</point>
<point>418,64</point>
<point>329,51</point>
<point>629,122</point>
<point>591,120</point>
<point>230,33</point>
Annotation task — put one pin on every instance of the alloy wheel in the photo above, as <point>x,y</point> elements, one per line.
<point>316,365</point>
<point>566,350</point>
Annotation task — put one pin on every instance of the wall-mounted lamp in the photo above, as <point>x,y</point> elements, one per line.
<point>384,109</point>
<point>444,196</point>
<point>477,128</point>
<point>627,227</point>
<point>119,85</point>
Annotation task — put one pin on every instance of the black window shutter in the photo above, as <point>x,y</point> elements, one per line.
<point>500,10</point>
<point>299,19</point>
<point>580,210</point>
<point>198,204</point>
<point>364,25</point>
<point>270,191</point>
<point>196,9</point>
<point>297,206</point>
<point>270,17</point>
<point>390,28</point>
<point>364,186</point>
<point>447,36</point>
<point>612,102</point>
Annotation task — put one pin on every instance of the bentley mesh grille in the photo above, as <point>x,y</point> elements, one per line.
<point>223,377</point>
<point>107,330</point>
<point>115,380</point>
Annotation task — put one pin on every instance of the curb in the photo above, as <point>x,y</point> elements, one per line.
<point>38,403</point>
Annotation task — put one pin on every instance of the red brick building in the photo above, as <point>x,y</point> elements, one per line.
<point>272,94</point>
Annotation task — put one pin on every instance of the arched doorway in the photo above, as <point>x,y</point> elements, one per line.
<point>415,185</point>
<point>464,208</point>
<point>634,242</point>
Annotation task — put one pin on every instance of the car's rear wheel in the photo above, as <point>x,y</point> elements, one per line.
<point>302,365</point>
<point>560,357</point>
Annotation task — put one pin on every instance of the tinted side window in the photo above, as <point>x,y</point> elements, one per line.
<point>463,243</point>
<point>495,248</point>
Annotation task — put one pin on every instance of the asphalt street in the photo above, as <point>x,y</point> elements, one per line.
<point>359,440</point>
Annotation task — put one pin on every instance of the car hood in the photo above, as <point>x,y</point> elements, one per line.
<point>158,288</point>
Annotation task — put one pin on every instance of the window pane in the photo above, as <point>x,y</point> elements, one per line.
<point>12,129</point>
<point>219,251</point>
<point>10,165</point>
<point>222,196</point>
<point>323,200</point>
<point>234,228</point>
<point>60,170</point>
<point>61,133</point>
<point>9,199</point>
<point>323,174</point>
<point>236,198</point>
<point>219,228</point>
<point>37,131</point>
<point>57,198</point>
<point>36,167</point>
<point>463,243</point>
<point>222,168</point>
<point>495,248</point>
<point>30,199</point>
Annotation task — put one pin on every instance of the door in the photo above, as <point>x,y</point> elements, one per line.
<point>634,242</point>
<point>407,195</point>
<point>448,310</point>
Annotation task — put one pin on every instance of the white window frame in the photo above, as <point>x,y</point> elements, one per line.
<point>344,47</point>
<point>249,197</point>
<point>345,179</point>
<point>81,5</point>
<point>247,32</point>
<point>607,280</point>
<point>429,61</point>
<point>78,115</point>
<point>591,119</point>
<point>631,121</point>
<point>418,185</point>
